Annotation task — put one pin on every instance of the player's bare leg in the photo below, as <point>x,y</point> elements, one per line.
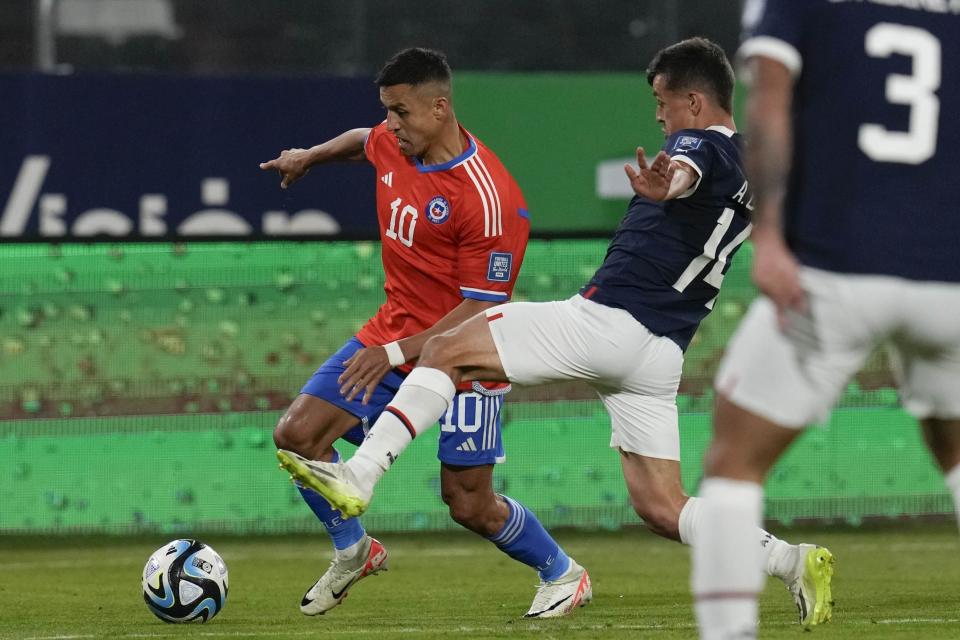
<point>468,494</point>
<point>465,352</point>
<point>943,438</point>
<point>515,530</point>
<point>657,494</point>
<point>310,426</point>
<point>306,433</point>
<point>726,575</point>
<point>745,446</point>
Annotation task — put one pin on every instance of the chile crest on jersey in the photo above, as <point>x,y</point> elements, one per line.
<point>438,210</point>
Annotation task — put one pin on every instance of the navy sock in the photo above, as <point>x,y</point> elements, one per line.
<point>343,532</point>
<point>524,539</point>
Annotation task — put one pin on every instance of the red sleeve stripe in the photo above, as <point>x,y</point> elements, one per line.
<point>495,316</point>
<point>402,418</point>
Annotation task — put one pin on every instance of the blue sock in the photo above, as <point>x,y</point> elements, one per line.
<point>524,539</point>
<point>344,532</point>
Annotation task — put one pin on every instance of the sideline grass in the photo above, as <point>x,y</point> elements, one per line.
<point>891,582</point>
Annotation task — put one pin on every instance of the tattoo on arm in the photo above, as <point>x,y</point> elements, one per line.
<point>770,144</point>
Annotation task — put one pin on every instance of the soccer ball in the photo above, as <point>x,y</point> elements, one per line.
<point>185,581</point>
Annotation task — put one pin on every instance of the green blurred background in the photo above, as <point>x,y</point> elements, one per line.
<point>140,384</point>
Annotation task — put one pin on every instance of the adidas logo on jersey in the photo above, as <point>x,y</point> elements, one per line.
<point>468,445</point>
<point>387,179</point>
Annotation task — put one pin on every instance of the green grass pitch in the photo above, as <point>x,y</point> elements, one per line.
<point>897,582</point>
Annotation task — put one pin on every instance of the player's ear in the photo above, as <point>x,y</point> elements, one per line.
<point>441,107</point>
<point>695,102</point>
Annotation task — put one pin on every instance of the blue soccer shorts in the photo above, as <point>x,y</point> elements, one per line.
<point>470,431</point>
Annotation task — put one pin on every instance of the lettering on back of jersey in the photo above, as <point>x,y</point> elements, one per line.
<point>501,264</point>
<point>438,210</point>
<point>687,143</point>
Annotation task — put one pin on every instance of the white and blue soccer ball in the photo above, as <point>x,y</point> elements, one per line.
<point>185,581</point>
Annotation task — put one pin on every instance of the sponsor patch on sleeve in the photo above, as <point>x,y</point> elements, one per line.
<point>500,267</point>
<point>687,143</point>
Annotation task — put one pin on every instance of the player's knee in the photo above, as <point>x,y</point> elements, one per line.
<point>461,507</point>
<point>661,519</point>
<point>436,351</point>
<point>466,509</point>
<point>289,433</point>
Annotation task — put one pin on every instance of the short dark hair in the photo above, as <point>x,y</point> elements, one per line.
<point>695,63</point>
<point>414,66</point>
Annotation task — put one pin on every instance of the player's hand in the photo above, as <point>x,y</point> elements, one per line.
<point>292,164</point>
<point>365,369</point>
<point>652,182</point>
<point>777,274</point>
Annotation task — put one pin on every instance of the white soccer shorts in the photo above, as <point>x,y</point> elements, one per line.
<point>635,372</point>
<point>793,378</point>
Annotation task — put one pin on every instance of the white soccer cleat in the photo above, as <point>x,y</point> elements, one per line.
<point>560,597</point>
<point>332,480</point>
<point>810,587</point>
<point>333,586</point>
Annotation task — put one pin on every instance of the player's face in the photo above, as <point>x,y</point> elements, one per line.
<point>674,108</point>
<point>412,116</point>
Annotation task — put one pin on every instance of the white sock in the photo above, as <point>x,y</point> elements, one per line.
<point>777,557</point>
<point>422,398</point>
<point>691,521</point>
<point>953,482</point>
<point>727,572</point>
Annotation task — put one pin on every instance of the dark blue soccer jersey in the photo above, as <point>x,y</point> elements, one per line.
<point>874,186</point>
<point>666,261</point>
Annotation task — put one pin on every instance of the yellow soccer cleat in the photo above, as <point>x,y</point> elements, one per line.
<point>332,480</point>
<point>811,589</point>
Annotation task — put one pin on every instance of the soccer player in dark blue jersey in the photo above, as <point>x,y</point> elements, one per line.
<point>853,129</point>
<point>625,333</point>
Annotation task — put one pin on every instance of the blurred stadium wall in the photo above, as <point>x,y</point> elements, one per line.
<point>139,384</point>
<point>139,381</point>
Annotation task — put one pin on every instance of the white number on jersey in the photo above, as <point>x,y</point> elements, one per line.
<point>402,230</point>
<point>919,142</point>
<point>696,266</point>
<point>460,404</point>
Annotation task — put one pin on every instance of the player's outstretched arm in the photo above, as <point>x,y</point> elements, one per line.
<point>293,164</point>
<point>662,180</point>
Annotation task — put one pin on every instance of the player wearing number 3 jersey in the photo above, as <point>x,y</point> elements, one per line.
<point>853,153</point>
<point>454,228</point>
<point>626,331</point>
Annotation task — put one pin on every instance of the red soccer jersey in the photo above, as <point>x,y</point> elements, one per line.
<point>448,232</point>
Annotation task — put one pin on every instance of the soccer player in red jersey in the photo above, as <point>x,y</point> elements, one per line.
<point>454,227</point>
